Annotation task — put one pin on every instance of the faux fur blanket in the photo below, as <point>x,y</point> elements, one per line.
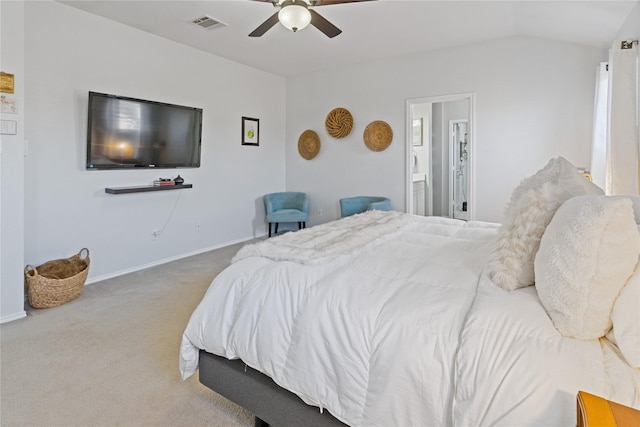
<point>328,241</point>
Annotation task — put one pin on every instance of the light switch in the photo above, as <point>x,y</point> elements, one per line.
<point>8,127</point>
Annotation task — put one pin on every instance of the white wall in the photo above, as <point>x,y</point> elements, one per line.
<point>631,27</point>
<point>12,168</point>
<point>534,101</point>
<point>630,30</point>
<point>69,52</point>
<point>439,160</point>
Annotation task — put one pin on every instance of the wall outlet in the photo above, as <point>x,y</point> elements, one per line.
<point>155,234</point>
<point>197,228</point>
<point>319,212</point>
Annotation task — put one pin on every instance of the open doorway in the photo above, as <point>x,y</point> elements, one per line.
<point>440,156</point>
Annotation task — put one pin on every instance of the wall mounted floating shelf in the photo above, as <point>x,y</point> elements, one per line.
<point>144,188</point>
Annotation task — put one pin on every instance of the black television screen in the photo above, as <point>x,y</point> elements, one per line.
<point>126,133</point>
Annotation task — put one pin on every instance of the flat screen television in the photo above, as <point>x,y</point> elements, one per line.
<point>128,133</point>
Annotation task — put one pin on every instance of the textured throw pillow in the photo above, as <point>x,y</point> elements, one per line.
<point>636,205</point>
<point>586,256</point>
<point>626,320</point>
<point>533,203</point>
<point>549,173</point>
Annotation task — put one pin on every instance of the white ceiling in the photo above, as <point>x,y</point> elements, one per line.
<point>371,30</point>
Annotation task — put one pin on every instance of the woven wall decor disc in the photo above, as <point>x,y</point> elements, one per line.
<point>309,144</point>
<point>378,135</point>
<point>339,122</point>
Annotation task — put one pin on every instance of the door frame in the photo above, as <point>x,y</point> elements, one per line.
<point>470,96</point>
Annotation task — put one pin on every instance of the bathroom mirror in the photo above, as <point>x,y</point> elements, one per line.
<point>440,169</point>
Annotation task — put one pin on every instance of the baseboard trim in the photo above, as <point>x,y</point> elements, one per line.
<point>15,316</point>
<point>96,279</point>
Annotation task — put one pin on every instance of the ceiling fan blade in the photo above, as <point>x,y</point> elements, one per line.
<point>323,25</point>
<point>266,25</point>
<point>315,3</point>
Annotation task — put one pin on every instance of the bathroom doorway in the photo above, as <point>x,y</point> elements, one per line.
<point>440,156</point>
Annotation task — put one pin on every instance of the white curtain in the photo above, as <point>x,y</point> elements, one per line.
<point>623,135</point>
<point>600,127</point>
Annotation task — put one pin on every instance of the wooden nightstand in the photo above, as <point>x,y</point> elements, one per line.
<point>596,411</point>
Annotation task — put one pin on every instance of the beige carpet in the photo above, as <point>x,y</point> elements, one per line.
<point>110,357</point>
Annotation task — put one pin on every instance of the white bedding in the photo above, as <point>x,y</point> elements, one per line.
<point>406,331</point>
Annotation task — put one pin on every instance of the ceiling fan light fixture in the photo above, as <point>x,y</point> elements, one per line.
<point>294,15</point>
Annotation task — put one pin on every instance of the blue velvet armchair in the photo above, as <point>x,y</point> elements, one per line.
<point>353,205</point>
<point>286,207</point>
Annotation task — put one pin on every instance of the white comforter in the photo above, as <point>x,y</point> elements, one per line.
<point>405,330</point>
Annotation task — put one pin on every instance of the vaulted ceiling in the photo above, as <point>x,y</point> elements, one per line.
<point>371,30</point>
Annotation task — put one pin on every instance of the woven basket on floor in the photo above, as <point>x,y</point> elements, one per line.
<point>57,282</point>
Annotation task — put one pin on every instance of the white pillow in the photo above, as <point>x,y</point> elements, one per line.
<point>549,173</point>
<point>636,206</point>
<point>533,203</point>
<point>586,256</point>
<point>626,320</point>
<point>635,199</point>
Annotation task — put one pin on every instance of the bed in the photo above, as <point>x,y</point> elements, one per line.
<point>391,319</point>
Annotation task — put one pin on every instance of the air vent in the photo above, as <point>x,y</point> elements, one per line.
<point>208,22</point>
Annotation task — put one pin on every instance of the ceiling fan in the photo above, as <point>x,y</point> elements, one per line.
<point>297,14</point>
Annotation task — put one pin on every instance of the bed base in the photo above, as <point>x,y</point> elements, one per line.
<point>259,394</point>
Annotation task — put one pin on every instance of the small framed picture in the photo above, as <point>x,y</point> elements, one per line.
<point>250,131</point>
